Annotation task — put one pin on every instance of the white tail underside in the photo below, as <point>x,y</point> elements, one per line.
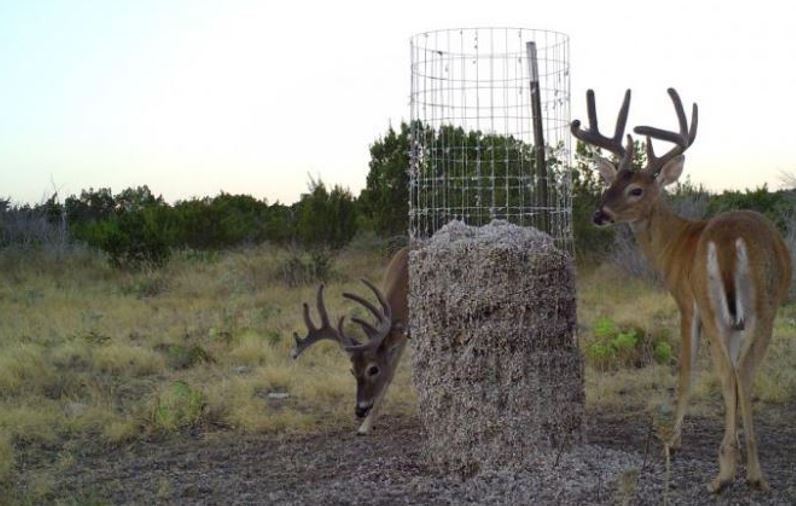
<point>733,326</point>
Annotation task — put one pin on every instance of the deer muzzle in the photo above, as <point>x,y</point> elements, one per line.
<point>362,409</point>
<point>601,218</point>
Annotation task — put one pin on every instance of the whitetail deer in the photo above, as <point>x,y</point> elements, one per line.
<point>728,274</point>
<point>373,362</point>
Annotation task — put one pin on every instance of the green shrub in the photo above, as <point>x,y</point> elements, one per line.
<point>132,240</point>
<point>599,354</point>
<point>614,346</point>
<point>326,218</point>
<point>626,342</point>
<point>179,406</point>
<point>663,352</point>
<point>301,268</point>
<point>273,337</point>
<point>604,327</point>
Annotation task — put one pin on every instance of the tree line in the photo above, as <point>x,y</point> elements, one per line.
<point>136,227</point>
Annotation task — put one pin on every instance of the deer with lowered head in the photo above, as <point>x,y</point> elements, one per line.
<point>373,362</point>
<point>728,274</point>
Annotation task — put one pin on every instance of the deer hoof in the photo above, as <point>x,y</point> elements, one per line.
<point>671,451</point>
<point>675,443</point>
<point>718,484</point>
<point>758,484</point>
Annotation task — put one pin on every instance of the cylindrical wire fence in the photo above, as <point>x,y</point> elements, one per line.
<point>490,130</point>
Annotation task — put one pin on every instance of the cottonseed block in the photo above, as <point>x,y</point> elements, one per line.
<point>496,365</point>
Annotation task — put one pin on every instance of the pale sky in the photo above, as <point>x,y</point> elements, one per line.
<point>194,97</point>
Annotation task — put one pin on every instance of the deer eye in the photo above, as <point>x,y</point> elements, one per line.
<point>373,370</point>
<point>636,192</point>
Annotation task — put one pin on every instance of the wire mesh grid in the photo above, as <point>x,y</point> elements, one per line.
<point>482,100</point>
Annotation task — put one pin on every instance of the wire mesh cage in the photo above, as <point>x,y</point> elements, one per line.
<point>490,130</point>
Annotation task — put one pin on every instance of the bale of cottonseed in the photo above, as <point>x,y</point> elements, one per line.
<point>496,365</point>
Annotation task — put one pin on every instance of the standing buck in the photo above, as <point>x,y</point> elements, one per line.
<point>373,362</point>
<point>728,274</point>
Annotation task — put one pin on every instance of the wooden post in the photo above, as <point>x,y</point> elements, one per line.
<point>543,220</point>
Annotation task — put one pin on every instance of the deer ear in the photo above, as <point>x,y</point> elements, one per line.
<point>671,171</point>
<point>606,168</point>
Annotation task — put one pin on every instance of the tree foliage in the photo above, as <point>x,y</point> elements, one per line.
<point>137,228</point>
<point>326,218</point>
<point>384,202</point>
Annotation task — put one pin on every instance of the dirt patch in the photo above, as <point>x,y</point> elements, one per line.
<point>621,464</point>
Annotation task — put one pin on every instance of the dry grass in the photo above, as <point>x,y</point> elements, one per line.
<point>95,353</point>
<point>92,351</point>
<point>6,457</point>
<point>605,291</point>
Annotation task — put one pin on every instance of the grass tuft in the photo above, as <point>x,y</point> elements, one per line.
<point>7,459</point>
<point>37,420</point>
<point>24,369</point>
<point>177,406</point>
<point>128,360</point>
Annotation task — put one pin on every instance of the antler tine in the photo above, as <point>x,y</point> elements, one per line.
<point>591,110</point>
<point>594,137</point>
<point>682,139</point>
<point>626,162</point>
<point>307,318</point>
<point>369,329</point>
<point>386,309</point>
<point>325,331</point>
<point>370,307</point>
<point>694,122</point>
<point>376,334</point>
<point>321,307</point>
<point>621,119</point>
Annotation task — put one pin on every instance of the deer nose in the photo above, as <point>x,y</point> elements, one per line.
<point>362,410</point>
<point>600,217</point>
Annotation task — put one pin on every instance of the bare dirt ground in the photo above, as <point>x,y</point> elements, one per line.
<point>621,464</point>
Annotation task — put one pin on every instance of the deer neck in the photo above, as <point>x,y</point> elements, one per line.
<point>659,234</point>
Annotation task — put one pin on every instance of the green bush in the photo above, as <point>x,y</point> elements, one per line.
<point>599,354</point>
<point>326,218</point>
<point>604,327</point>
<point>614,346</point>
<point>179,406</point>
<point>302,267</point>
<point>663,352</point>
<point>626,342</point>
<point>132,228</point>
<point>777,206</point>
<point>134,240</point>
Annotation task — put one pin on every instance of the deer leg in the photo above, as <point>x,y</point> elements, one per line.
<point>367,425</point>
<point>753,354</point>
<point>728,451</point>
<point>689,333</point>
